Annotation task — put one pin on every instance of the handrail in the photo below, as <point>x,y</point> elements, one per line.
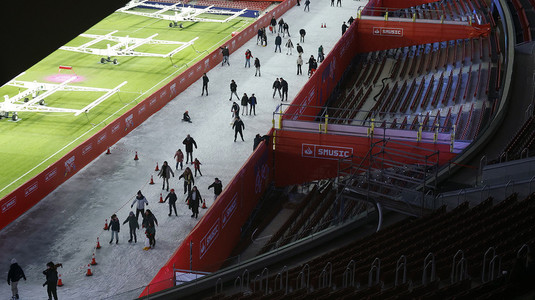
<point>454,265</point>
<point>304,283</point>
<point>280,275</point>
<point>492,264</point>
<point>483,189</point>
<point>348,277</point>
<point>401,263</point>
<point>245,283</point>
<point>255,280</point>
<point>325,277</point>
<point>507,185</point>
<point>429,260</point>
<point>376,266</point>
<point>219,282</point>
<point>240,283</point>
<point>483,272</point>
<point>525,246</point>
<point>266,276</point>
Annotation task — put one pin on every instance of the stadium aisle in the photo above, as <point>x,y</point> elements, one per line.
<point>63,227</point>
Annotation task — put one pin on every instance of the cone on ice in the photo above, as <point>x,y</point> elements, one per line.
<point>60,282</point>
<point>93,261</point>
<point>204,205</point>
<point>105,226</point>
<point>135,157</point>
<point>108,151</point>
<point>157,169</point>
<point>98,243</point>
<point>161,198</point>
<point>151,180</point>
<point>89,273</point>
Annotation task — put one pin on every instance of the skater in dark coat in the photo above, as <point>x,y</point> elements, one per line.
<point>344,28</point>
<point>321,55</point>
<point>225,53</point>
<point>299,49</point>
<point>278,43</point>
<point>149,222</point>
<point>189,142</point>
<point>273,22</point>
<point>205,81</point>
<point>257,66</point>
<point>258,139</point>
<point>244,103</point>
<point>188,179</point>
<point>299,64</point>
<point>218,187</point>
<point>140,202</point>
<point>150,233</point>
<point>133,225</point>
<point>252,104</point>
<point>193,200</point>
<point>165,173</point>
<point>51,274</point>
<point>235,110</point>
<point>350,21</point>
<point>115,227</point>
<point>172,200</point>
<point>285,30</point>
<point>277,87</point>
<point>238,126</point>
<point>259,37</point>
<point>13,276</point>
<point>281,25</point>
<point>233,89</point>
<point>302,33</point>
<point>186,117</point>
<point>284,86</point>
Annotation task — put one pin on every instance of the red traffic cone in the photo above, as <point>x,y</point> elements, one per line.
<point>135,157</point>
<point>105,226</point>
<point>98,244</point>
<point>324,25</point>
<point>93,261</point>
<point>204,205</point>
<point>157,169</point>
<point>89,273</point>
<point>151,180</point>
<point>161,198</point>
<point>60,282</point>
<point>108,151</point>
<point>321,25</point>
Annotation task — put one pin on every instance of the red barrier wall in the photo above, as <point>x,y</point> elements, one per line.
<point>397,4</point>
<point>303,157</point>
<point>35,189</point>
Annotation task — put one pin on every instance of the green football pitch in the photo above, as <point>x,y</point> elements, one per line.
<point>39,139</point>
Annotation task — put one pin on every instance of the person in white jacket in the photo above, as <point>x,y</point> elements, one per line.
<point>140,206</point>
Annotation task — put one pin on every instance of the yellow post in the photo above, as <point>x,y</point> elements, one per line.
<point>326,122</point>
<point>358,13</point>
<point>442,19</point>
<point>470,20</point>
<point>435,138</point>
<point>419,133</point>
<point>413,17</point>
<point>274,138</point>
<point>372,128</point>
<point>386,16</point>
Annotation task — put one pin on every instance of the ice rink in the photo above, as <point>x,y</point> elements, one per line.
<point>64,226</point>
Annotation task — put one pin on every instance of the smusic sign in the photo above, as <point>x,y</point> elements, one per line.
<point>387,31</point>
<point>325,152</point>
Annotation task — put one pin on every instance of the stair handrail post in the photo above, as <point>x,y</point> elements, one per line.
<point>401,263</point>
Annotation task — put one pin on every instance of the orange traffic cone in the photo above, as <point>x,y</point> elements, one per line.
<point>98,243</point>
<point>151,180</point>
<point>93,261</point>
<point>324,25</point>
<point>136,158</point>
<point>157,169</point>
<point>161,198</point>
<point>105,225</point>
<point>89,273</point>
<point>204,205</point>
<point>60,282</point>
<point>108,151</point>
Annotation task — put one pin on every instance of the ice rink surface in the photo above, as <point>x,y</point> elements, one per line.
<point>64,226</point>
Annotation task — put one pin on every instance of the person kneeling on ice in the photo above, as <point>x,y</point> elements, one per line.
<point>193,200</point>
<point>51,274</point>
<point>115,228</point>
<point>132,223</point>
<point>172,200</point>
<point>185,117</point>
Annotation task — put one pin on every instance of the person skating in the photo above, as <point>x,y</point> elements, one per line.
<point>233,89</point>
<point>302,33</point>
<point>150,233</point>
<point>252,104</point>
<point>259,37</point>
<point>273,23</point>
<point>140,202</point>
<point>186,117</point>
<point>194,199</point>
<point>179,156</point>
<point>189,142</point>
<point>197,167</point>
<point>264,38</point>
<point>278,43</point>
<point>133,225</point>
<point>299,64</point>
<point>332,2</point>
<point>238,126</point>
<point>248,56</point>
<point>281,25</point>
<point>165,173</point>
<point>205,81</point>
<point>15,274</point>
<point>188,179</point>
<point>299,49</point>
<point>310,64</point>
<point>218,187</point>
<point>257,66</point>
<point>284,86</point>
<point>277,87</point>
<point>244,103</point>
<point>344,28</point>
<point>307,5</point>
<point>321,55</point>
<point>225,53</point>
<point>258,139</point>
<point>350,21</point>
<point>285,30</point>
<point>338,2</point>
<point>313,67</point>
<point>115,227</point>
<point>235,109</point>
<point>51,283</point>
<point>172,197</point>
<point>149,222</point>
<point>289,47</point>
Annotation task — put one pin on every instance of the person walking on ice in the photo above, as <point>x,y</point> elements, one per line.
<point>225,53</point>
<point>299,64</point>
<point>257,66</point>
<point>193,200</point>
<point>233,89</point>
<point>238,126</point>
<point>179,156</point>
<point>307,5</point>
<point>289,47</point>
<point>172,200</point>
<point>165,174</point>
<point>244,103</point>
<point>252,104</point>
<point>133,225</point>
<point>218,187</point>
<point>189,142</point>
<point>248,56</point>
<point>284,86</point>
<point>276,87</point>
<point>115,227</point>
<point>188,179</point>
<point>140,202</point>
<point>149,222</point>
<point>205,81</point>
<point>197,166</point>
<point>51,283</point>
<point>13,276</point>
<point>235,109</point>
<point>302,33</point>
<point>278,43</point>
